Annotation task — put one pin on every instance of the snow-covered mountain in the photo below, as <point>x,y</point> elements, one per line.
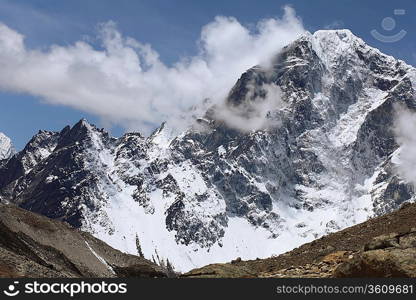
<point>6,147</point>
<point>324,160</point>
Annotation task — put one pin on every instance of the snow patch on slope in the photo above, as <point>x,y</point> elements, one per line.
<point>345,131</point>
<point>102,260</point>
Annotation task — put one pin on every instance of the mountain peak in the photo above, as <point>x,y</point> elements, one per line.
<point>338,38</point>
<point>6,147</point>
<point>340,33</point>
<point>83,123</point>
<point>80,131</point>
<point>330,36</point>
<point>339,48</point>
<point>83,126</point>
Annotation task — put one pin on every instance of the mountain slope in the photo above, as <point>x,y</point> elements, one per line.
<point>34,246</point>
<point>331,255</point>
<point>316,154</point>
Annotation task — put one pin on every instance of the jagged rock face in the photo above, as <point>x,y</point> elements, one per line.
<point>325,161</point>
<point>6,147</point>
<point>38,149</point>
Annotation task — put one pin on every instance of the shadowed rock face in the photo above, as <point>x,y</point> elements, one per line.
<point>324,164</point>
<point>35,246</point>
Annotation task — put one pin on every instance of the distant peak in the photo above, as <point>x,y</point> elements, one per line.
<point>80,131</point>
<point>6,147</point>
<point>163,135</point>
<point>159,129</point>
<point>83,124</point>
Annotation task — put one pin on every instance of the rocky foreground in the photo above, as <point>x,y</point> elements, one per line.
<point>381,247</point>
<point>35,246</point>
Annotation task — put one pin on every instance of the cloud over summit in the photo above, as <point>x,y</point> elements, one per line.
<point>124,81</point>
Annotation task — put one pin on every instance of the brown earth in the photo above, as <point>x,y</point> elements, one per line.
<point>351,252</point>
<point>35,246</point>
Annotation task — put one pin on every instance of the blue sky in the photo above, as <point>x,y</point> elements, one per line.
<point>173,29</point>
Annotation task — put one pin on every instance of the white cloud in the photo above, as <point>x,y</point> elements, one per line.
<point>337,24</point>
<point>253,112</point>
<point>124,82</point>
<point>405,128</point>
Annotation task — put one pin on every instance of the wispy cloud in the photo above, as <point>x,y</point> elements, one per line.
<point>124,82</point>
<point>337,24</point>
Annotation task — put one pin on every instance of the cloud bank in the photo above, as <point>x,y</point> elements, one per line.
<point>124,82</point>
<point>405,128</point>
